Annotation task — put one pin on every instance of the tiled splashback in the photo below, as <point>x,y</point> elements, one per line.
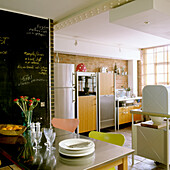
<point>93,64</point>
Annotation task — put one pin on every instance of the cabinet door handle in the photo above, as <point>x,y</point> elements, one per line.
<point>73,79</point>
<point>73,96</point>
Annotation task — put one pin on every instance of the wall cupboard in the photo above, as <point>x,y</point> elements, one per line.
<point>106,84</point>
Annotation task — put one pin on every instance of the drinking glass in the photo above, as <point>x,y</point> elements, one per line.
<point>37,140</point>
<point>51,141</point>
<point>47,132</point>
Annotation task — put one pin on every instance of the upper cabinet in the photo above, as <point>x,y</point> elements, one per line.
<point>106,84</point>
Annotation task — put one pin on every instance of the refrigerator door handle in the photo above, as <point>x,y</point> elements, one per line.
<point>73,79</point>
<point>73,96</point>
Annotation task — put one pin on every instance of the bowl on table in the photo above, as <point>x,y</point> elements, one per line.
<point>11,129</point>
<point>157,120</point>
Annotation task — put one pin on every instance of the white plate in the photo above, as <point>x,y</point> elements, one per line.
<point>77,155</point>
<point>65,144</point>
<point>75,151</point>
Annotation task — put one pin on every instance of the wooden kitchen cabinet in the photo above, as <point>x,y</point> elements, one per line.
<point>125,116</point>
<point>106,83</point>
<point>87,113</point>
<point>137,116</point>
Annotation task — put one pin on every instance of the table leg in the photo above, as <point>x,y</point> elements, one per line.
<point>118,114</point>
<point>167,132</point>
<point>124,165</point>
<point>132,139</point>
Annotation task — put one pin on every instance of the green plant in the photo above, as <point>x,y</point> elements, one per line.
<point>128,89</point>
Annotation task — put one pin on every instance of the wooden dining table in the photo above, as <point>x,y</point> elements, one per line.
<point>18,150</point>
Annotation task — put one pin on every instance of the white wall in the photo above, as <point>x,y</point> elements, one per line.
<point>89,48</point>
<point>132,76</point>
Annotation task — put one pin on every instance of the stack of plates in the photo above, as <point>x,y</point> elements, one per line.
<point>76,147</point>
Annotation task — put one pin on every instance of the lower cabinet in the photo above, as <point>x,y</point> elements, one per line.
<point>137,116</point>
<point>125,116</point>
<point>87,113</point>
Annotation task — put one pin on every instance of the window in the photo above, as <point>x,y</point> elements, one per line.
<point>156,66</point>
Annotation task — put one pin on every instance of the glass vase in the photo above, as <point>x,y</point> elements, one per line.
<point>27,118</point>
<point>128,93</point>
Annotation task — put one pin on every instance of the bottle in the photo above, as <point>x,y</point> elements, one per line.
<point>115,68</point>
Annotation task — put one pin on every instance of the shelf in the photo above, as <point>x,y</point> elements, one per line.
<point>138,111</point>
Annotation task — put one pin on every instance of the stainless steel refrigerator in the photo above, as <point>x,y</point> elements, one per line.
<point>64,90</point>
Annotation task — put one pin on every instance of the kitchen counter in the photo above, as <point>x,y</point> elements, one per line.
<point>125,99</point>
<point>123,107</point>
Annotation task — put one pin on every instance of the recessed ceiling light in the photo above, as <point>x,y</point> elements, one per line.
<point>146,22</point>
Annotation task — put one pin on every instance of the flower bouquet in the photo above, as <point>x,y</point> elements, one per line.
<point>27,105</point>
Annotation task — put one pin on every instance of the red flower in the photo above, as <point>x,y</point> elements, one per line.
<point>33,98</point>
<point>16,100</point>
<point>30,104</point>
<point>38,100</point>
<point>21,97</point>
<point>30,101</point>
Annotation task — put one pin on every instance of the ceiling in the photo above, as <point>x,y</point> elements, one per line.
<point>53,9</point>
<point>96,28</point>
<point>99,29</point>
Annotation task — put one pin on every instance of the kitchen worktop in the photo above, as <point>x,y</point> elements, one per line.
<point>127,98</point>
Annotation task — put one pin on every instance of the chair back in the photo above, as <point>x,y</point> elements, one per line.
<point>117,139</point>
<point>65,124</point>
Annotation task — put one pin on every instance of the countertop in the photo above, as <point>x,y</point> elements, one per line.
<point>124,99</point>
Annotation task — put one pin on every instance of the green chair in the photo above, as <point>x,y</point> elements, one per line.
<point>117,139</point>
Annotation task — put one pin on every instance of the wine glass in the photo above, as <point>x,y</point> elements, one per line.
<point>32,138</point>
<point>37,140</point>
<point>47,132</point>
<point>51,141</point>
<point>38,159</point>
<point>51,160</point>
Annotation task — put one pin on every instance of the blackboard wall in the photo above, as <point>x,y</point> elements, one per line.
<point>24,65</point>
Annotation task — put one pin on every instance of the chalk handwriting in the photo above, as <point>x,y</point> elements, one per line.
<point>33,54</point>
<point>27,67</point>
<point>43,70</point>
<point>3,52</point>
<point>30,80</point>
<point>33,58</point>
<point>38,30</point>
<point>3,40</point>
<point>26,78</point>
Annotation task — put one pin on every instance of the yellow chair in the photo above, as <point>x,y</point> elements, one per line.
<point>117,139</point>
